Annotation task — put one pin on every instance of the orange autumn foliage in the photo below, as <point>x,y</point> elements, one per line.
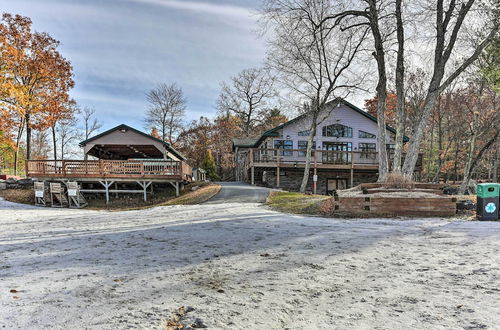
<point>390,113</point>
<point>35,79</point>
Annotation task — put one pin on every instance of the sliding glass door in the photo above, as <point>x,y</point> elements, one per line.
<point>340,152</point>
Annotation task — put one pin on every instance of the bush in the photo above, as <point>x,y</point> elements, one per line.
<point>398,181</point>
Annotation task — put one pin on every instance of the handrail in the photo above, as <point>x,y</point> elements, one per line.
<point>110,168</point>
<point>319,156</point>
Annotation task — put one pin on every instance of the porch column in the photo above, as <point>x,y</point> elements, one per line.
<point>352,170</point>
<point>277,176</point>
<point>278,171</point>
<point>252,175</point>
<point>315,183</point>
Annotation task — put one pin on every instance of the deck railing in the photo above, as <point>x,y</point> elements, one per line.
<point>327,157</point>
<point>134,169</point>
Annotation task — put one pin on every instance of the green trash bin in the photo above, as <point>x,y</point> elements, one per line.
<point>488,195</point>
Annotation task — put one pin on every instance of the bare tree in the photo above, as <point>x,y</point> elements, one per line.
<point>41,145</point>
<point>247,96</point>
<point>449,23</point>
<point>400,90</point>
<point>90,124</point>
<point>167,107</point>
<point>312,56</point>
<point>68,135</point>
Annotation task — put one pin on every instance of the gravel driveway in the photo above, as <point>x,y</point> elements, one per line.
<point>238,192</point>
<point>243,266</point>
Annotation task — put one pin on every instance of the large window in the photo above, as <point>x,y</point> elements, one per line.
<point>366,135</point>
<point>303,145</point>
<point>368,150</point>
<point>390,147</point>
<point>337,130</point>
<point>285,145</point>
<point>338,152</point>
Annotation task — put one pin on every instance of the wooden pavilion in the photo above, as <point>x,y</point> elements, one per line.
<point>121,154</point>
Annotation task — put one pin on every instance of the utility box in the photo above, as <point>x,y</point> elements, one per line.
<point>488,195</point>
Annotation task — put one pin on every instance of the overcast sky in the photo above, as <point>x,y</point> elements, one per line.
<point>120,49</point>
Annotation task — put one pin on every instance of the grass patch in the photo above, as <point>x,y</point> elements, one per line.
<point>198,196</point>
<point>296,203</point>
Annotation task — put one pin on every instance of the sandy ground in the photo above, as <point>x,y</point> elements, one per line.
<point>242,266</point>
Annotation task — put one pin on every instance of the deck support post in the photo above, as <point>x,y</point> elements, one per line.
<point>106,185</point>
<point>277,177</point>
<point>252,175</point>
<point>315,183</point>
<point>278,171</point>
<point>352,171</point>
<point>176,185</point>
<point>145,185</point>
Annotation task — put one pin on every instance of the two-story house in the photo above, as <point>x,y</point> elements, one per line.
<point>345,151</point>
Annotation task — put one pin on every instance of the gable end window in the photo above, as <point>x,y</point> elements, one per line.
<point>286,145</point>
<point>337,130</point>
<point>303,133</point>
<point>366,135</point>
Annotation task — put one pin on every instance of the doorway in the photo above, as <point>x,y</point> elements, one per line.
<point>335,184</point>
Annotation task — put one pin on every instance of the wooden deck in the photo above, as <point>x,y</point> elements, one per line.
<point>255,160</point>
<point>321,159</point>
<point>152,170</point>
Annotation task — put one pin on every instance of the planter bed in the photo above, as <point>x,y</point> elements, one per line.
<point>393,206</point>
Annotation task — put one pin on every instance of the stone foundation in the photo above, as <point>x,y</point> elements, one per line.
<point>291,179</point>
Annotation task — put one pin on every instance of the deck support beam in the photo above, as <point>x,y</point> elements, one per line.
<point>106,185</point>
<point>176,185</point>
<point>145,185</point>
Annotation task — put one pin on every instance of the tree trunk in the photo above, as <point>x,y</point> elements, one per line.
<point>310,139</point>
<point>429,155</point>
<point>455,165</point>
<point>16,160</point>
<point>54,141</point>
<point>470,155</point>
<point>441,152</point>
<point>28,137</point>
<point>494,165</point>
<point>400,107</point>
<point>18,144</point>
<point>414,144</point>
<point>475,160</point>
<point>383,166</point>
